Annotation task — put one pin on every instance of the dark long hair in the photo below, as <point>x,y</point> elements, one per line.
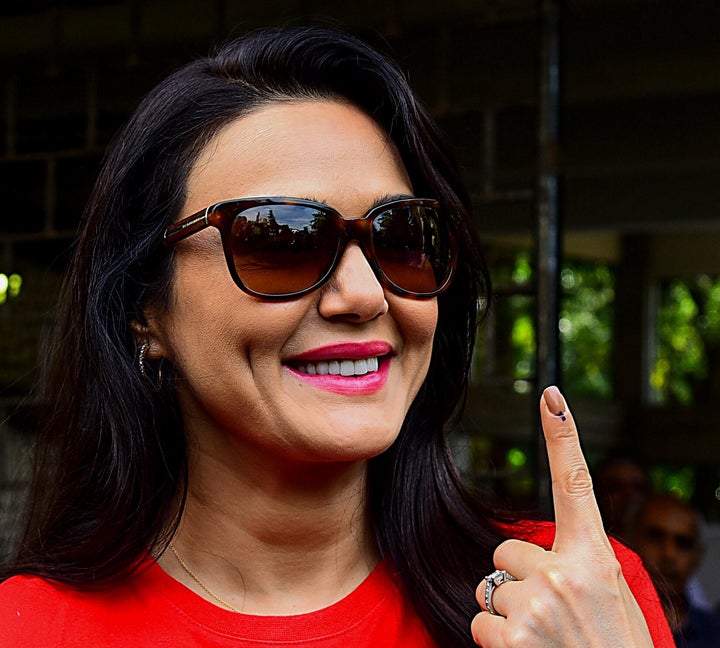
<point>112,465</point>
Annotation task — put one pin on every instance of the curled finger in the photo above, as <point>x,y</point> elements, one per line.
<point>487,630</point>
<point>518,557</point>
<point>487,592</point>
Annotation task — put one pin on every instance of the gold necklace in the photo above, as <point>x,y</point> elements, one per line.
<point>199,582</point>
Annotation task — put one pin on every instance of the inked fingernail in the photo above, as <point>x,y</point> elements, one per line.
<point>555,401</point>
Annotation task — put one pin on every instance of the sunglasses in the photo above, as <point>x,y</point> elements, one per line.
<point>280,248</point>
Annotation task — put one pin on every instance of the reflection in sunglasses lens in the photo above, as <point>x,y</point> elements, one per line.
<point>282,248</point>
<point>405,240</point>
<point>286,248</point>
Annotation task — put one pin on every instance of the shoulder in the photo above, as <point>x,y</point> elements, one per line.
<point>27,592</point>
<point>31,609</point>
<point>42,613</point>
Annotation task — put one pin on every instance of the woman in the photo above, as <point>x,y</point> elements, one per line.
<point>267,325</point>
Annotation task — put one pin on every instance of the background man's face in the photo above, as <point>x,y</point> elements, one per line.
<point>666,535</point>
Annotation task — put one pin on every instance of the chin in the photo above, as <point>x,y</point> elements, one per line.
<point>362,449</point>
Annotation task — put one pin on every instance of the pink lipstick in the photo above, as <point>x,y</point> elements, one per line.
<point>347,368</point>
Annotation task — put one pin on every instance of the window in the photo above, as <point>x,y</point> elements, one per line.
<point>506,346</point>
<point>686,364</point>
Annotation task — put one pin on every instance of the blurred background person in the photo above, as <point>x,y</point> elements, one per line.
<point>666,532</point>
<point>620,482</point>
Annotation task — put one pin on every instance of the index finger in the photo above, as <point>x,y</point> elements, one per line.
<point>577,516</point>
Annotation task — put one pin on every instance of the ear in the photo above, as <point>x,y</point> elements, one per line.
<point>148,329</point>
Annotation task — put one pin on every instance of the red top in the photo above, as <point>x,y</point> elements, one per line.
<point>153,609</point>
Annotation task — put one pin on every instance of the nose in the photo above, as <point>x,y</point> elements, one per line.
<point>668,550</point>
<point>353,292</point>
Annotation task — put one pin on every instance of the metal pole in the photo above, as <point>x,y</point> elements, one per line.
<point>548,222</point>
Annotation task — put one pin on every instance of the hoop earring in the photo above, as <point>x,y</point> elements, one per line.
<point>159,380</point>
<point>142,354</point>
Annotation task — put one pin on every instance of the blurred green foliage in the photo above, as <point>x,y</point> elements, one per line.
<point>686,364</point>
<point>586,321</point>
<point>688,340</point>
<point>684,367</point>
<point>586,328</point>
<point>680,481</point>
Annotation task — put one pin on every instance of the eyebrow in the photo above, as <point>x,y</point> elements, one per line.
<point>380,200</point>
<point>386,198</point>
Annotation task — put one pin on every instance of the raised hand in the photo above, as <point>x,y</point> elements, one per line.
<point>573,595</point>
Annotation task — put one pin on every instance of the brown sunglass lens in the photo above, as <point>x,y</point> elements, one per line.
<point>279,249</point>
<point>412,248</point>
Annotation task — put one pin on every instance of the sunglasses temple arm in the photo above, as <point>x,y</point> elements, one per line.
<point>184,228</point>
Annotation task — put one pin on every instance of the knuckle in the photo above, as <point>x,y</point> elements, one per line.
<point>539,609</point>
<point>504,549</point>
<point>609,571</point>
<point>569,585</point>
<point>576,481</point>
<point>560,581</point>
<point>573,581</point>
<point>516,634</point>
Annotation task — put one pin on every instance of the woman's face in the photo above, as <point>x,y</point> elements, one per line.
<point>245,365</point>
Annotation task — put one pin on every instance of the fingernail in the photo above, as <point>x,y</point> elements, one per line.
<point>555,401</point>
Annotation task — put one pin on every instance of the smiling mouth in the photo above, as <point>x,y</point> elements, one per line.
<point>340,367</point>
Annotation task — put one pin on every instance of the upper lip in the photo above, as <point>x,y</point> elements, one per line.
<point>344,350</point>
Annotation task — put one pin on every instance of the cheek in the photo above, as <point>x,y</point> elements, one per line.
<point>652,553</point>
<point>425,320</point>
<point>198,340</point>
<point>418,322</point>
<point>212,326</point>
<point>205,317</point>
<point>428,324</point>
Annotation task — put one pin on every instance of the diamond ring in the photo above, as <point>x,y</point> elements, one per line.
<point>492,581</point>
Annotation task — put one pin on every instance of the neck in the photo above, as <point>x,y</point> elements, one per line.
<point>273,539</point>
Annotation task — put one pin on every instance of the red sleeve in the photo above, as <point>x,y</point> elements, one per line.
<point>543,534</point>
<point>645,594</point>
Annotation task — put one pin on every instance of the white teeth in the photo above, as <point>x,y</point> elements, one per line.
<point>340,367</point>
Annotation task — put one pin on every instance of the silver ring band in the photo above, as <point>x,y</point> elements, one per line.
<point>492,581</point>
